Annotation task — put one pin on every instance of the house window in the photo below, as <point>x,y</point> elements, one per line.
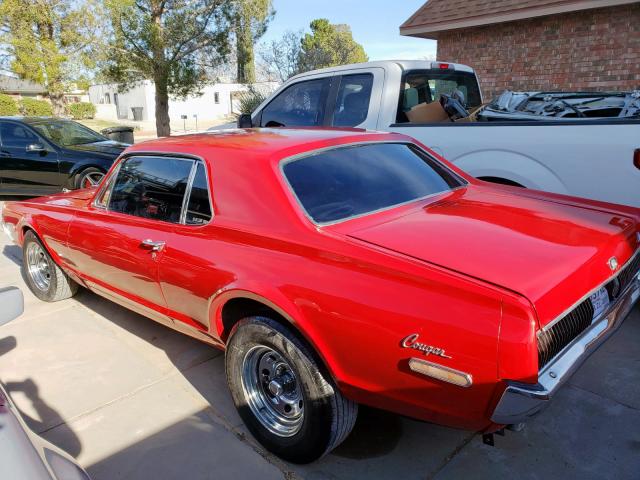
<point>107,98</point>
<point>216,97</point>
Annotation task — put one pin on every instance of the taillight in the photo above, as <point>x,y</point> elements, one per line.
<point>636,158</point>
<point>443,66</point>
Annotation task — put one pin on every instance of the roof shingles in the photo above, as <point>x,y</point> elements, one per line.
<point>442,15</point>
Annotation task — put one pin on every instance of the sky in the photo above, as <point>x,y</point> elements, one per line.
<point>375,24</point>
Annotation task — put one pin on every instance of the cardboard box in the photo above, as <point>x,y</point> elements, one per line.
<point>427,113</point>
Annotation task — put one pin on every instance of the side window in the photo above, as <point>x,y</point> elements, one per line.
<point>352,102</point>
<point>16,136</point>
<point>151,187</point>
<point>300,105</point>
<point>199,206</point>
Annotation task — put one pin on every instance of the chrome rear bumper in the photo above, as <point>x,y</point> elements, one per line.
<point>520,402</point>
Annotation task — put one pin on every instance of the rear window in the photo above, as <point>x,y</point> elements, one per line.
<point>426,86</point>
<point>346,182</point>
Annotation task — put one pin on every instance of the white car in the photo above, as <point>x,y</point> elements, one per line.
<point>23,454</point>
<point>597,158</point>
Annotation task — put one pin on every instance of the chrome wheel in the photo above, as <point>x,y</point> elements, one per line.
<point>272,391</point>
<point>38,267</point>
<point>91,179</point>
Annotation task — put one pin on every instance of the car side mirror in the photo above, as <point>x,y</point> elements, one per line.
<point>245,121</point>
<point>36,147</point>
<point>12,303</point>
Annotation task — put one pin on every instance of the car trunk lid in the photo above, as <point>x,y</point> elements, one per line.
<point>551,252</point>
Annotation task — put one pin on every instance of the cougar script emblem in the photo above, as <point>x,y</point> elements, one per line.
<point>411,341</point>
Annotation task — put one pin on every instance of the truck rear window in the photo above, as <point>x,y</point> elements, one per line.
<point>426,86</point>
<point>346,182</point>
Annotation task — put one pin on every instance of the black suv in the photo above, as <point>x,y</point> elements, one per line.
<point>40,155</point>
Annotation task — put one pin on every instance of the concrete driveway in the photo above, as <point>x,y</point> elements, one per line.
<point>134,400</point>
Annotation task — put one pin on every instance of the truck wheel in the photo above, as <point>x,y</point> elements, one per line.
<point>45,279</point>
<point>89,177</point>
<point>286,400</point>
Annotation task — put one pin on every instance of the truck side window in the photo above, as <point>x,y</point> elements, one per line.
<point>300,105</point>
<point>352,102</point>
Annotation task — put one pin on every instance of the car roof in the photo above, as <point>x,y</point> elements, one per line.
<point>35,120</point>
<point>261,143</point>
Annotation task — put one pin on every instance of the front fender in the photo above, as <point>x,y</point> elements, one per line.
<point>513,166</point>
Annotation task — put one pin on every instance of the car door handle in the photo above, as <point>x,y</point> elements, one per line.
<point>153,246</point>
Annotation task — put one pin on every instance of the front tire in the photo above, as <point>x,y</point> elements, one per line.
<point>285,398</point>
<point>43,277</point>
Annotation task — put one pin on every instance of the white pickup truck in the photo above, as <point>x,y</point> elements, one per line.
<point>594,158</point>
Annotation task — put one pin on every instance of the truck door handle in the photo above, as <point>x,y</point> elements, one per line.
<point>153,246</point>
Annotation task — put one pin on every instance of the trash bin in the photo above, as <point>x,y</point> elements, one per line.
<point>137,113</point>
<point>121,134</point>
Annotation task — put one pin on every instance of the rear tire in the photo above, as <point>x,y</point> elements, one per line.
<point>43,277</point>
<point>282,393</point>
<point>89,177</point>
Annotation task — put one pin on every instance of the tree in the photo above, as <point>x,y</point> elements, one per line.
<point>251,18</point>
<point>329,45</point>
<point>45,40</point>
<point>281,58</point>
<point>171,42</point>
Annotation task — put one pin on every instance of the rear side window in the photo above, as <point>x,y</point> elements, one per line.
<point>300,105</point>
<point>426,86</point>
<point>352,102</point>
<point>151,187</point>
<point>199,205</point>
<point>14,135</point>
<point>346,182</point>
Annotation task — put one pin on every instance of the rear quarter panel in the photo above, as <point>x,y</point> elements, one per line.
<point>355,306</point>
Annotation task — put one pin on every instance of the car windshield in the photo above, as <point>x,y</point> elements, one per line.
<point>67,133</point>
<point>346,182</point>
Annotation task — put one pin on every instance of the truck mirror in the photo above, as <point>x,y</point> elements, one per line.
<point>245,121</point>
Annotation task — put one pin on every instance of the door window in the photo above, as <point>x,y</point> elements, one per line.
<point>352,102</point>
<point>199,206</point>
<point>151,187</point>
<point>301,104</point>
<point>16,136</point>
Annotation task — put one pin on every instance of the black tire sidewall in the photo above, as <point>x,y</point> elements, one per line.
<point>314,437</point>
<point>47,296</point>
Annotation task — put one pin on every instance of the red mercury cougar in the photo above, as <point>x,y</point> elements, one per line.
<point>342,267</point>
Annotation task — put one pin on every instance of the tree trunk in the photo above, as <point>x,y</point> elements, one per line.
<point>57,104</point>
<point>163,125</point>
<point>244,47</point>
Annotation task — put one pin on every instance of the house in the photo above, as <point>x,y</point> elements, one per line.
<point>19,88</point>
<point>138,103</point>
<point>537,45</point>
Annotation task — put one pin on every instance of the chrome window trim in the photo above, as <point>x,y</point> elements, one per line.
<point>188,195</point>
<point>591,292</point>
<point>105,186</point>
<point>300,156</point>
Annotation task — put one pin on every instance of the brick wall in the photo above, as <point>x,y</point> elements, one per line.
<point>589,50</point>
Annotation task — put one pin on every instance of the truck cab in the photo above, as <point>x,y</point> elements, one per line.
<point>364,95</point>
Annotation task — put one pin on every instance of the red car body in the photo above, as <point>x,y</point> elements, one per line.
<point>463,281</point>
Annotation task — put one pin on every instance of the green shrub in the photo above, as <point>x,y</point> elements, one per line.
<point>81,110</point>
<point>251,99</point>
<point>8,105</point>
<point>31,107</point>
